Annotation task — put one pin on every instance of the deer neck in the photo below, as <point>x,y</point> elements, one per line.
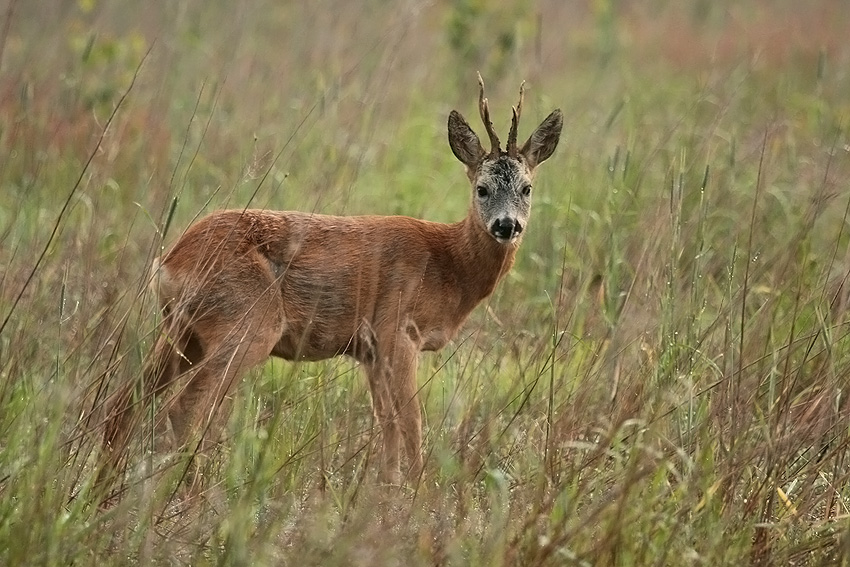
<point>480,260</point>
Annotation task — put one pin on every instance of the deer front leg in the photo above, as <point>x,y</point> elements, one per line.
<point>382,406</point>
<point>410,420</point>
<point>392,381</point>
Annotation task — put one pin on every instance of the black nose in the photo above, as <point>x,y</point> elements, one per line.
<point>505,228</point>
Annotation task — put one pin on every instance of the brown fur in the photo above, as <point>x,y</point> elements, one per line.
<point>240,286</point>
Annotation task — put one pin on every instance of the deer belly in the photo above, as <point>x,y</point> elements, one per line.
<point>435,339</point>
<point>309,345</point>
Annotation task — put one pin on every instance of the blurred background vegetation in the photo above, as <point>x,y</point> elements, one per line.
<point>661,379</point>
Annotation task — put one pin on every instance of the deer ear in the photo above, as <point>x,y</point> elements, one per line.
<point>464,142</point>
<point>544,140</point>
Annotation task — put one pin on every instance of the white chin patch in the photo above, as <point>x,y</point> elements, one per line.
<point>502,240</point>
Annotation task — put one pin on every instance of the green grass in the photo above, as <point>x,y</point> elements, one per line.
<point>661,380</point>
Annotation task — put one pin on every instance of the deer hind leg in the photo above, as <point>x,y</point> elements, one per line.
<point>232,344</point>
<point>173,351</point>
<point>392,380</point>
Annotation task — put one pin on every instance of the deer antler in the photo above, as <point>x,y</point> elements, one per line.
<point>512,150</point>
<point>495,145</point>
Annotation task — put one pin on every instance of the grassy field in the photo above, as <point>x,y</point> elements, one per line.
<point>661,380</point>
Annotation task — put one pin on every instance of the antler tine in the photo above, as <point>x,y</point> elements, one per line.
<point>517,112</point>
<point>484,109</point>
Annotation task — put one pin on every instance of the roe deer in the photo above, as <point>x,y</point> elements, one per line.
<point>242,285</point>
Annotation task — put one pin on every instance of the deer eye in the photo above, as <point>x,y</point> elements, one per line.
<point>482,191</point>
<point>526,191</point>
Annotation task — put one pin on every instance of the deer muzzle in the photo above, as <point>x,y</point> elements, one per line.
<point>505,229</point>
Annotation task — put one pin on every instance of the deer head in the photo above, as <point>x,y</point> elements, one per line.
<point>502,179</point>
